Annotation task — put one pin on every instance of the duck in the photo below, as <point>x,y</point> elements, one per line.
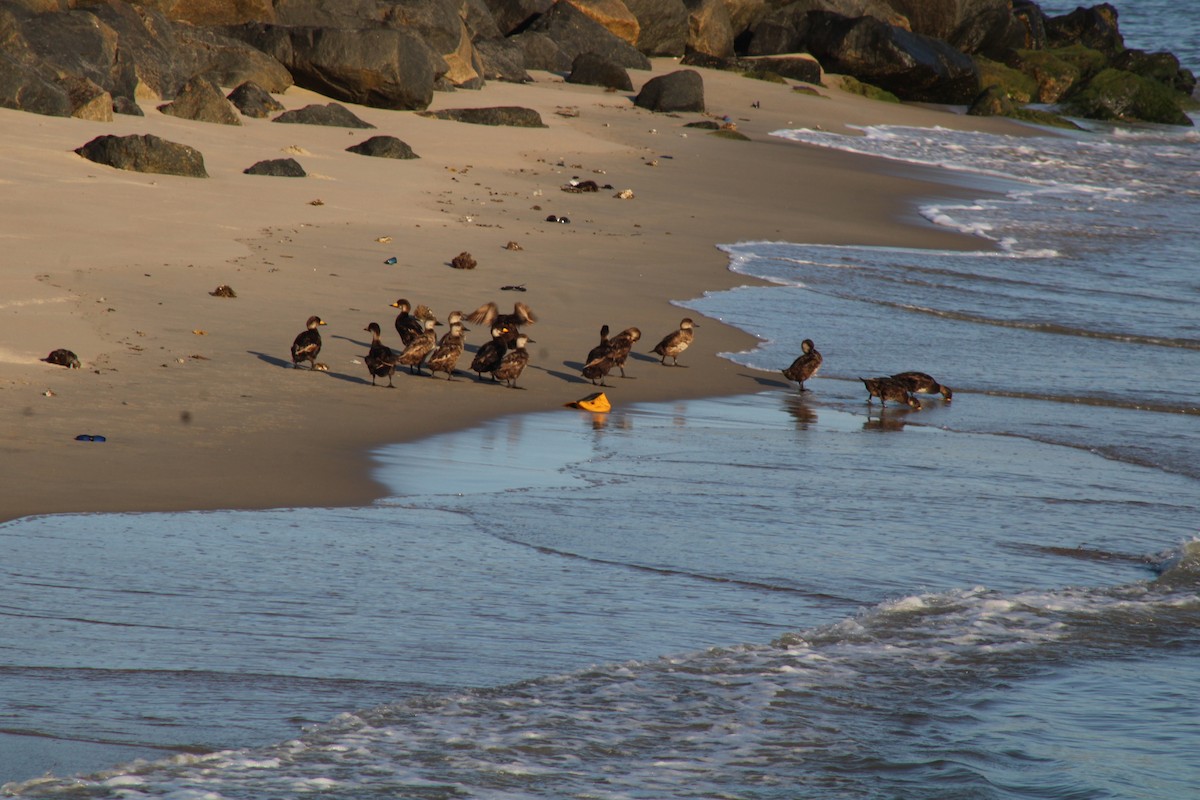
<point>408,325</point>
<point>445,356</point>
<point>489,314</point>
<point>600,349</point>
<point>889,389</point>
<point>488,356</point>
<point>380,359</point>
<point>923,383</point>
<point>514,361</point>
<point>620,345</point>
<point>599,363</point>
<point>455,316</point>
<point>307,344</point>
<point>63,358</point>
<point>676,342</point>
<point>420,347</point>
<point>806,364</point>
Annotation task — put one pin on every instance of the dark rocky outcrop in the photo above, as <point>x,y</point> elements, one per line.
<point>595,70</point>
<point>663,26</point>
<point>911,66</point>
<point>576,33</point>
<point>1095,28</point>
<point>503,60</point>
<point>513,116</point>
<point>145,153</point>
<point>682,90</point>
<point>331,114</point>
<point>1125,97</point>
<point>514,16</point>
<point>278,168</point>
<point>202,101</point>
<point>710,29</point>
<point>383,147</point>
<point>254,101</point>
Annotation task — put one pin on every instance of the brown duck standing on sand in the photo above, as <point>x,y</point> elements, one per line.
<point>445,356</point>
<point>380,359</point>
<point>599,361</point>
<point>923,383</point>
<point>488,356</point>
<point>620,345</point>
<point>307,344</point>
<point>63,358</point>
<point>805,366</point>
<point>600,349</point>
<point>676,342</point>
<point>420,347</point>
<point>514,362</point>
<point>889,389</point>
<point>489,314</point>
<point>407,325</point>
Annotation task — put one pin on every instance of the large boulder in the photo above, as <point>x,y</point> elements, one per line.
<point>1161,67</point>
<point>709,28</point>
<point>332,114</point>
<point>383,147</point>
<point>1125,97</point>
<point>201,101</point>
<point>514,16</point>
<point>503,60</point>
<point>682,90</point>
<point>616,18</point>
<point>213,12</point>
<point>574,32</point>
<point>254,101</point>
<point>1094,27</point>
<point>145,153</point>
<point>539,51</point>
<point>277,168</point>
<point>972,26</point>
<point>512,116</point>
<point>909,65</point>
<point>593,70</point>
<point>662,26</point>
<point>779,28</point>
<point>379,67</point>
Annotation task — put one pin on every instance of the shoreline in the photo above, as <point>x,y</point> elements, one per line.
<point>195,395</point>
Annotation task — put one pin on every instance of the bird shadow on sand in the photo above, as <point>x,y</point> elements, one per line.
<point>275,361</point>
<point>764,381</point>
<point>570,377</point>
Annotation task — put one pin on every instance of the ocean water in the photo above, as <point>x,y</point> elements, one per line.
<point>775,595</point>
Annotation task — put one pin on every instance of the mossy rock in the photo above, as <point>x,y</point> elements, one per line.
<point>1057,71</point>
<point>764,75</point>
<point>1122,96</point>
<point>995,102</point>
<point>1016,85</point>
<point>729,133</point>
<point>1047,119</point>
<point>855,86</point>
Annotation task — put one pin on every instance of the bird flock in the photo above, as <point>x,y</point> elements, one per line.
<point>504,356</point>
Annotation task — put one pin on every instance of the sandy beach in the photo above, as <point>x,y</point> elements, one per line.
<point>196,395</point>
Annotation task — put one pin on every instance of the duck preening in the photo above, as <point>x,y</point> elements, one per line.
<point>674,343</point>
<point>923,383</point>
<point>805,365</point>
<point>619,347</point>
<point>307,344</point>
<point>380,359</point>
<point>889,389</point>
<point>599,359</point>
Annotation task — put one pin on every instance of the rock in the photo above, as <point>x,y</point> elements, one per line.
<point>277,167</point>
<point>332,114</point>
<point>970,26</point>
<point>123,105</point>
<point>709,28</point>
<point>781,30</point>
<point>1125,97</point>
<point>379,67</point>
<point>662,25</point>
<point>992,102</point>
<point>911,66</point>
<point>502,60</point>
<point>514,16</point>
<point>383,147</point>
<point>796,67</point>
<point>224,290</point>
<point>616,18</point>
<point>575,33</point>
<point>201,101</point>
<point>595,70</point>
<point>145,153</point>
<point>1162,68</point>
<point>234,62</point>
<point>1094,27</point>
<point>88,101</point>
<point>682,90</point>
<point>63,357</point>
<point>514,116</point>
<point>463,261</point>
<point>704,125</point>
<point>1056,72</point>
<point>207,13</point>
<point>539,51</point>
<point>254,101</point>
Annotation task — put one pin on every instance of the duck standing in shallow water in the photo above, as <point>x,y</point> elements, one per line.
<point>380,359</point>
<point>923,383</point>
<point>674,343</point>
<point>889,389</point>
<point>420,347</point>
<point>514,362</point>
<point>488,356</point>
<point>805,366</point>
<point>307,344</point>
<point>407,325</point>
<point>445,356</point>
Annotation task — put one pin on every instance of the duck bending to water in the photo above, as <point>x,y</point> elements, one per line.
<point>420,347</point>
<point>889,389</point>
<point>514,362</point>
<point>805,366</point>
<point>445,356</point>
<point>674,343</point>
<point>923,383</point>
<point>307,344</point>
<point>380,359</point>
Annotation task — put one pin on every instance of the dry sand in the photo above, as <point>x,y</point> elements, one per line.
<point>196,394</point>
